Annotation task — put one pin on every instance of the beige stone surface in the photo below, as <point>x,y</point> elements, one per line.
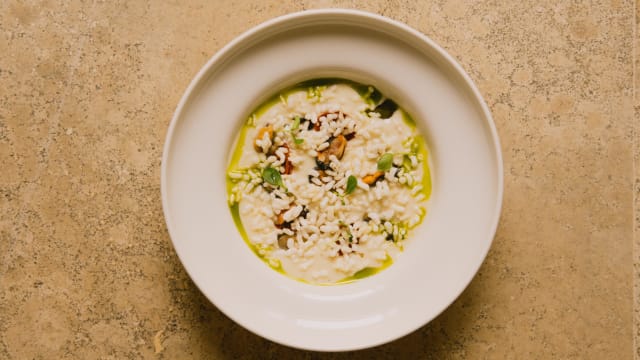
<point>636,188</point>
<point>87,90</point>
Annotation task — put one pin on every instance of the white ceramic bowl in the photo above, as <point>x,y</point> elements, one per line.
<point>445,251</point>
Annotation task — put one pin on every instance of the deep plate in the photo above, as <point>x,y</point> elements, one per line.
<point>445,251</point>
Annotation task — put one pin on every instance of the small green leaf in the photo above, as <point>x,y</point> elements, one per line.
<point>385,162</point>
<point>296,123</point>
<point>351,184</point>
<point>272,176</point>
<point>298,141</point>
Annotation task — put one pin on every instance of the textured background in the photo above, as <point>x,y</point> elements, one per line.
<point>87,90</point>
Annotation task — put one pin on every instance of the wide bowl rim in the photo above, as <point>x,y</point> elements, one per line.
<point>236,45</point>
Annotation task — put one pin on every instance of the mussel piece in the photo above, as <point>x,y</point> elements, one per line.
<point>268,130</point>
<point>282,241</point>
<point>320,165</point>
<point>280,223</point>
<point>336,148</point>
<point>304,212</point>
<point>288,167</point>
<point>317,125</point>
<point>280,219</point>
<point>309,124</point>
<point>371,179</point>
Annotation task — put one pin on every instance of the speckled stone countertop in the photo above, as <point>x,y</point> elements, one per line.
<point>87,90</point>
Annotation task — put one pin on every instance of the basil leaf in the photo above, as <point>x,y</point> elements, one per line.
<point>386,109</point>
<point>385,162</point>
<point>369,94</point>
<point>351,184</point>
<point>272,176</point>
<point>296,123</point>
<point>298,141</point>
<point>375,96</point>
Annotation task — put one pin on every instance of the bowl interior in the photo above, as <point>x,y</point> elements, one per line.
<point>444,252</point>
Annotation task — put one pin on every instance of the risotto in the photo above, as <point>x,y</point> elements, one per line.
<point>327,180</point>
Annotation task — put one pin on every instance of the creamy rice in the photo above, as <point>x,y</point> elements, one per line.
<point>327,180</point>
